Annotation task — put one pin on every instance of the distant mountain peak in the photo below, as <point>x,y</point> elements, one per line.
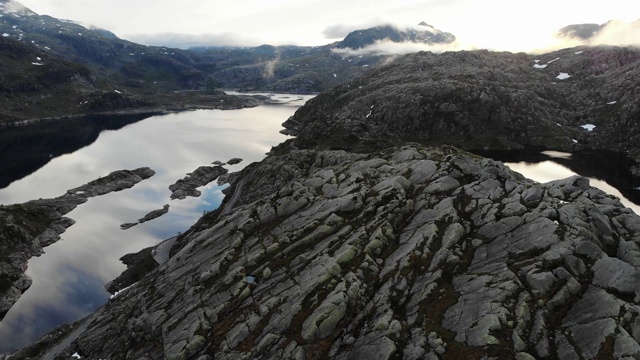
<point>426,34</point>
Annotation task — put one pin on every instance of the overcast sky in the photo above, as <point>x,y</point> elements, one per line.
<point>495,24</point>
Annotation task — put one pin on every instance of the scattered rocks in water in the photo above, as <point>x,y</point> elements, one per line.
<point>234,161</point>
<point>127,226</point>
<point>26,228</point>
<point>154,214</point>
<point>200,177</point>
<point>150,216</point>
<point>414,252</point>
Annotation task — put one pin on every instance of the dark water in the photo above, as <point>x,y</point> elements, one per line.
<point>69,279</point>
<point>23,152</point>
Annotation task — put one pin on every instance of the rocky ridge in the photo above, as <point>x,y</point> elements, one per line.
<point>25,229</point>
<point>483,100</point>
<point>411,252</point>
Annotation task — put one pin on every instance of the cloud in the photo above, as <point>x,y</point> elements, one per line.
<point>186,41</point>
<point>270,67</point>
<point>339,31</point>
<point>614,33</point>
<point>618,33</point>
<point>388,47</point>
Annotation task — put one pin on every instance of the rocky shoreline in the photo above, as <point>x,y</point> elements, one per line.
<point>171,106</point>
<point>413,252</point>
<point>25,229</point>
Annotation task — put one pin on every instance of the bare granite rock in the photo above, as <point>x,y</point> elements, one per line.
<point>410,252</point>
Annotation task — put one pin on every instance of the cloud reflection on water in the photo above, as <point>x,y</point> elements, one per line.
<point>69,277</point>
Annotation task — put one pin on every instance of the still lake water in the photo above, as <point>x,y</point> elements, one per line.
<point>68,280</point>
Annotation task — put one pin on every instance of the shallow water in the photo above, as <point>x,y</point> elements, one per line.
<point>69,279</point>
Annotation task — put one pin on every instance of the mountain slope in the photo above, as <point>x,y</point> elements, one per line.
<point>285,68</point>
<point>34,83</point>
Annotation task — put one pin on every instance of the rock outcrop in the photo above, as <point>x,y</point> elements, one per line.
<point>411,252</point>
<point>483,100</point>
<point>200,177</point>
<point>25,229</point>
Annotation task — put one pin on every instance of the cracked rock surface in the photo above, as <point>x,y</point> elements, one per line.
<point>411,252</point>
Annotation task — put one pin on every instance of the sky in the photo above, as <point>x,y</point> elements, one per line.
<point>510,25</point>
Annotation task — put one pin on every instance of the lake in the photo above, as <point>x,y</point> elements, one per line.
<point>69,279</point>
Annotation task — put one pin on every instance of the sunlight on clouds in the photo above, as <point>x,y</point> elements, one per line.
<point>490,24</point>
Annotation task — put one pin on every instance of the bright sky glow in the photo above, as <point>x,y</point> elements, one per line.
<point>494,24</point>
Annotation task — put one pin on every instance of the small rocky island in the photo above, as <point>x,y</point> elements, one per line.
<point>25,229</point>
<point>150,216</point>
<point>200,177</point>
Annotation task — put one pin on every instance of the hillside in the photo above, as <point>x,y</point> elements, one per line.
<point>484,100</point>
<point>153,68</point>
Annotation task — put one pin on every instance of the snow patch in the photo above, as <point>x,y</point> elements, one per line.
<point>556,59</point>
<point>76,355</point>
<point>588,127</point>
<point>5,35</point>
<point>38,58</point>
<point>117,293</point>
<point>536,61</point>
<point>538,66</point>
<point>563,76</point>
<point>579,52</point>
<point>36,63</point>
<point>334,75</point>
<point>611,102</point>
<point>117,91</point>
